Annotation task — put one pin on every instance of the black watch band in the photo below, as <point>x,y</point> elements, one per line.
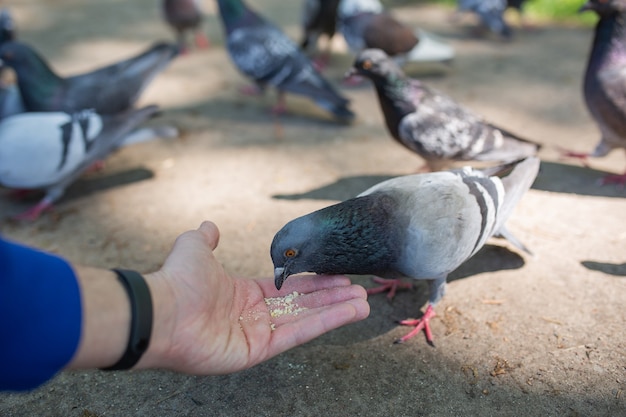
<point>141,318</point>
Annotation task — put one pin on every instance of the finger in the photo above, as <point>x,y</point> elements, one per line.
<point>303,284</point>
<point>311,326</point>
<point>211,233</point>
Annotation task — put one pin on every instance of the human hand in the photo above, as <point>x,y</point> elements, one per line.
<point>207,322</point>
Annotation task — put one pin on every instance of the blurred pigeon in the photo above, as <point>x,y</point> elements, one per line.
<point>605,80</point>
<point>421,226</point>
<point>51,150</point>
<point>319,17</point>
<point>432,124</point>
<point>365,24</point>
<point>490,13</point>
<point>109,90</point>
<point>7,26</point>
<point>264,53</point>
<point>185,16</point>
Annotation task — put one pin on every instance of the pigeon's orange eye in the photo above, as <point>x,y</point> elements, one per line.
<point>290,253</point>
<point>367,64</point>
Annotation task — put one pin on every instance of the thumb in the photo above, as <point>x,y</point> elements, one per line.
<point>210,231</point>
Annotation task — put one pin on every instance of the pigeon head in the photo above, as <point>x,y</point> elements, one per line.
<point>376,65</point>
<point>352,237</point>
<point>605,8</point>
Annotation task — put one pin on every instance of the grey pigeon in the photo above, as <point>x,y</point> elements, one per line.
<point>319,17</point>
<point>264,53</point>
<point>490,13</point>
<point>108,90</point>
<point>421,226</point>
<point>185,16</point>
<point>605,80</point>
<point>431,123</point>
<point>51,150</point>
<point>365,24</point>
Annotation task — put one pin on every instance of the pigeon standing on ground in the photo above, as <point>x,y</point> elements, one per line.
<point>420,226</point>
<point>490,13</point>
<point>264,53</point>
<point>605,80</point>
<point>185,16</point>
<point>432,124</point>
<point>319,17</point>
<point>109,90</point>
<point>365,24</point>
<point>51,150</point>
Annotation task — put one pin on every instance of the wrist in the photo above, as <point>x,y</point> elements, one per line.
<point>164,317</point>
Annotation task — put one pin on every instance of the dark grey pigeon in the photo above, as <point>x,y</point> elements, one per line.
<point>420,226</point>
<point>264,53</point>
<point>365,24</point>
<point>605,79</point>
<point>185,16</point>
<point>319,17</point>
<point>51,150</point>
<point>432,124</point>
<point>490,13</point>
<point>109,90</point>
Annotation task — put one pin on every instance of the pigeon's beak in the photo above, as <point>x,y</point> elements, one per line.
<point>586,6</point>
<point>350,73</point>
<point>280,275</point>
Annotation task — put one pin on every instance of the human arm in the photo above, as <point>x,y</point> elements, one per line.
<point>205,321</point>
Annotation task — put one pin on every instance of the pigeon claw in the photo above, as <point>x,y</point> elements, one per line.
<point>391,285</point>
<point>34,212</point>
<point>617,179</point>
<point>420,324</point>
<point>202,42</point>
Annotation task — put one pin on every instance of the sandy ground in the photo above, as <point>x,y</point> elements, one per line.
<point>515,335</point>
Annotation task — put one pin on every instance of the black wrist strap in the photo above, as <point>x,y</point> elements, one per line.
<point>141,318</point>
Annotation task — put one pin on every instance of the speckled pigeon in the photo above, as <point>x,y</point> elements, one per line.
<point>605,80</point>
<point>432,124</point>
<point>420,226</point>
<point>51,150</point>
<point>365,24</point>
<point>185,16</point>
<point>264,53</point>
<point>109,90</point>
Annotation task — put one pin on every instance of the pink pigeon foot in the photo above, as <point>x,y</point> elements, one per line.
<point>582,156</point>
<point>390,285</point>
<point>250,90</point>
<point>95,167</point>
<point>321,62</point>
<point>618,179</point>
<point>34,212</point>
<point>422,323</point>
<point>202,42</point>
<point>352,81</point>
<point>281,105</point>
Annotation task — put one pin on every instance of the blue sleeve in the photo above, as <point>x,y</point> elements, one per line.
<point>40,316</point>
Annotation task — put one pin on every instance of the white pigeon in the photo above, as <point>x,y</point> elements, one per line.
<point>51,150</point>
